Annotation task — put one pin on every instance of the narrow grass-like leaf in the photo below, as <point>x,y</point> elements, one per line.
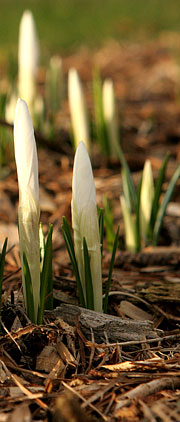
<point>70,248</point>
<point>49,297</point>
<point>2,263</point>
<point>100,127</point>
<point>110,270</point>
<point>138,233</point>
<point>101,227</point>
<point>88,277</point>
<point>125,188</point>
<point>157,194</point>
<point>29,289</point>
<point>163,206</point>
<point>46,276</point>
<point>108,222</point>
<point>132,197</point>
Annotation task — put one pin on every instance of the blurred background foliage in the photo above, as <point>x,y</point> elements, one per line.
<point>65,25</point>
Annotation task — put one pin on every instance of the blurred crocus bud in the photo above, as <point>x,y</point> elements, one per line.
<point>110,115</point>
<point>28,56</point>
<point>28,212</point>
<point>129,226</point>
<point>146,199</point>
<point>85,221</point>
<point>78,111</point>
<point>54,84</point>
<point>10,108</point>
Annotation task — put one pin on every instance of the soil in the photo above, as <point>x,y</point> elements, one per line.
<point>78,366</point>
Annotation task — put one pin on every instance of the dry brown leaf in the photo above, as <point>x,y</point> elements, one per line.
<point>47,359</point>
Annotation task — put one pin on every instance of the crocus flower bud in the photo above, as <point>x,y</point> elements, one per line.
<point>129,226</point>
<point>28,55</point>
<point>28,212</point>
<point>78,111</point>
<point>110,116</point>
<point>10,108</point>
<point>146,200</point>
<point>85,221</point>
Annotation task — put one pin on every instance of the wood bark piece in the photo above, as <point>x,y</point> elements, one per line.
<point>105,326</point>
<point>157,256</point>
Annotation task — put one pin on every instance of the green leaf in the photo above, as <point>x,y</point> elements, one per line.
<point>29,290</point>
<point>88,277</point>
<point>138,231</point>
<point>157,194</point>
<point>70,248</point>
<point>164,204</point>
<point>101,227</point>
<point>100,127</point>
<point>129,187</point>
<point>109,220</point>
<point>110,270</point>
<point>46,288</point>
<point>2,263</point>
<point>49,299</point>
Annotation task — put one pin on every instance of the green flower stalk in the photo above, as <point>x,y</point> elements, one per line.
<point>28,55</point>
<point>78,111</point>
<point>29,210</point>
<point>85,222</point>
<point>146,199</point>
<point>110,116</point>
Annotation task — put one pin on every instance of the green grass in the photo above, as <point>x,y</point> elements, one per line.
<point>64,25</point>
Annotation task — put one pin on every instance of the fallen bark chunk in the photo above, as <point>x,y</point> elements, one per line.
<point>105,326</point>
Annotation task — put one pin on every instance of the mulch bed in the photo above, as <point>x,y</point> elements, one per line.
<point>81,366</point>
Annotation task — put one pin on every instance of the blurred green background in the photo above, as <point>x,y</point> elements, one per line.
<point>64,25</point>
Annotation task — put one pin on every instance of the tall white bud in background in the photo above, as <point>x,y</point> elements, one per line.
<point>129,226</point>
<point>85,221</point>
<point>10,108</point>
<point>110,115</point>
<point>28,212</point>
<point>146,199</point>
<point>78,111</point>
<point>28,56</point>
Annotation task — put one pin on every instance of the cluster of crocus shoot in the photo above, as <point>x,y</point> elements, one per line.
<point>86,253</point>
<point>35,282</point>
<point>28,56</point>
<point>78,110</point>
<point>143,212</point>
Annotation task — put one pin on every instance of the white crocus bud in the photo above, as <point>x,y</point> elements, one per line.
<point>78,111</point>
<point>28,212</point>
<point>146,199</point>
<point>28,56</point>
<point>85,221</point>
<point>110,116</point>
<point>129,226</point>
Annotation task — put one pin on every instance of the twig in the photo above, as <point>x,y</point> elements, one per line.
<point>146,389</point>
<point>84,400</point>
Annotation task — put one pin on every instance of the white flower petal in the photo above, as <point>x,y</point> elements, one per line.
<point>83,182</point>
<point>25,151</point>
<point>78,109</point>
